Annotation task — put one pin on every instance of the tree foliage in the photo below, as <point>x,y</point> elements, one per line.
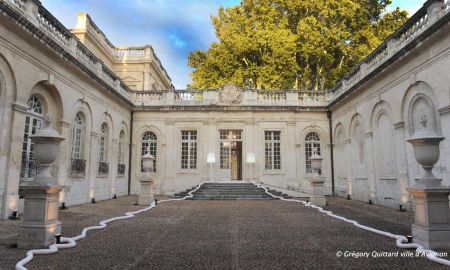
<point>285,44</point>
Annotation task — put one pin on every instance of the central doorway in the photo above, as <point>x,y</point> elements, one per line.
<point>230,155</point>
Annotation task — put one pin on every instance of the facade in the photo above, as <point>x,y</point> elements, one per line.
<point>115,104</point>
<point>138,67</point>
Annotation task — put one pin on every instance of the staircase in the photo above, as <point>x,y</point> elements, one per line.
<point>229,191</point>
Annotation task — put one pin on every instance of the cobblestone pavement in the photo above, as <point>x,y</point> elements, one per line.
<point>229,235</point>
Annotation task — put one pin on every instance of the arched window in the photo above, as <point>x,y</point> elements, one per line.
<point>78,164</point>
<point>33,121</point>
<point>120,153</point>
<point>103,155</point>
<point>148,144</point>
<point>312,142</point>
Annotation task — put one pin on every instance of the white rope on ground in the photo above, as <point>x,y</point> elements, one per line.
<point>71,242</point>
<point>400,239</point>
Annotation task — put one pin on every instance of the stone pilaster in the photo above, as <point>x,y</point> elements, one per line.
<point>63,162</point>
<point>290,156</point>
<point>402,165</point>
<point>249,147</point>
<point>348,164</point>
<point>371,176</point>
<point>93,164</point>
<point>15,159</point>
<point>113,167</point>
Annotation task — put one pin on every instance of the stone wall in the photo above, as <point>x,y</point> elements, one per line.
<point>167,126</point>
<point>28,67</point>
<point>370,126</point>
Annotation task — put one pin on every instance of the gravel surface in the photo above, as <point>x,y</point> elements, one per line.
<point>227,235</point>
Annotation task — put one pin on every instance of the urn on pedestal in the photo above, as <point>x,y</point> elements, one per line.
<point>317,181</point>
<point>431,227</point>
<point>40,220</point>
<point>146,194</point>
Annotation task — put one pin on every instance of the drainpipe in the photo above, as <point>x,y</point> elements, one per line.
<point>330,127</point>
<point>130,154</point>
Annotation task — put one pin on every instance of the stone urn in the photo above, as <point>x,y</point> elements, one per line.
<point>317,181</point>
<point>426,151</point>
<point>431,227</point>
<point>40,219</point>
<point>146,194</point>
<point>46,148</point>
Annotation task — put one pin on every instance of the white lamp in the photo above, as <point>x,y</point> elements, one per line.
<point>211,159</point>
<point>251,159</point>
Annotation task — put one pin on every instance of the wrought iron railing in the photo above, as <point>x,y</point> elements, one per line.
<point>29,167</point>
<point>103,167</point>
<point>120,169</point>
<point>77,166</point>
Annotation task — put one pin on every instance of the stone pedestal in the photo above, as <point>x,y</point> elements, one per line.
<point>146,194</point>
<point>317,197</point>
<point>40,221</point>
<point>431,227</point>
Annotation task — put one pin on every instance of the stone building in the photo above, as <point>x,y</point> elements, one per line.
<point>114,104</point>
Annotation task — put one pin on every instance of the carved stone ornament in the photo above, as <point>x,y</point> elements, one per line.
<point>230,94</point>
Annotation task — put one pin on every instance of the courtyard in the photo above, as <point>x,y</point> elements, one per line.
<point>267,234</point>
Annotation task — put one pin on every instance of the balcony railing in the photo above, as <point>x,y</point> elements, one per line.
<point>103,167</point>
<point>77,166</point>
<point>120,169</point>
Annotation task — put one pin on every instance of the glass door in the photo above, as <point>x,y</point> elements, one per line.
<point>230,155</point>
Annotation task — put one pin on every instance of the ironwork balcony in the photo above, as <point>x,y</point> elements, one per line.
<point>103,167</point>
<point>77,166</point>
<point>120,169</point>
<point>29,167</point>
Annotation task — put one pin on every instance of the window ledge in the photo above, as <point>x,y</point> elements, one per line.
<point>77,176</point>
<point>188,171</point>
<point>273,172</point>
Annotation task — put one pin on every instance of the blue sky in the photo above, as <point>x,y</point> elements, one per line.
<point>173,27</point>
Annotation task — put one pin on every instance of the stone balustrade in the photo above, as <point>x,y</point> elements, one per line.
<point>245,97</point>
<point>392,48</point>
<point>430,12</point>
<point>42,19</point>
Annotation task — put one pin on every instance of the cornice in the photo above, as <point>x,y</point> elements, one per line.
<point>43,37</point>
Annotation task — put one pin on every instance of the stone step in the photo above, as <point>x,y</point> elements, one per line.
<point>231,197</point>
<point>230,191</point>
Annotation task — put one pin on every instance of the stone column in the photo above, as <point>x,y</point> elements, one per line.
<point>402,165</point>
<point>371,175</point>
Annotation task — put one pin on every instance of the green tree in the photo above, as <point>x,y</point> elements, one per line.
<point>282,44</point>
